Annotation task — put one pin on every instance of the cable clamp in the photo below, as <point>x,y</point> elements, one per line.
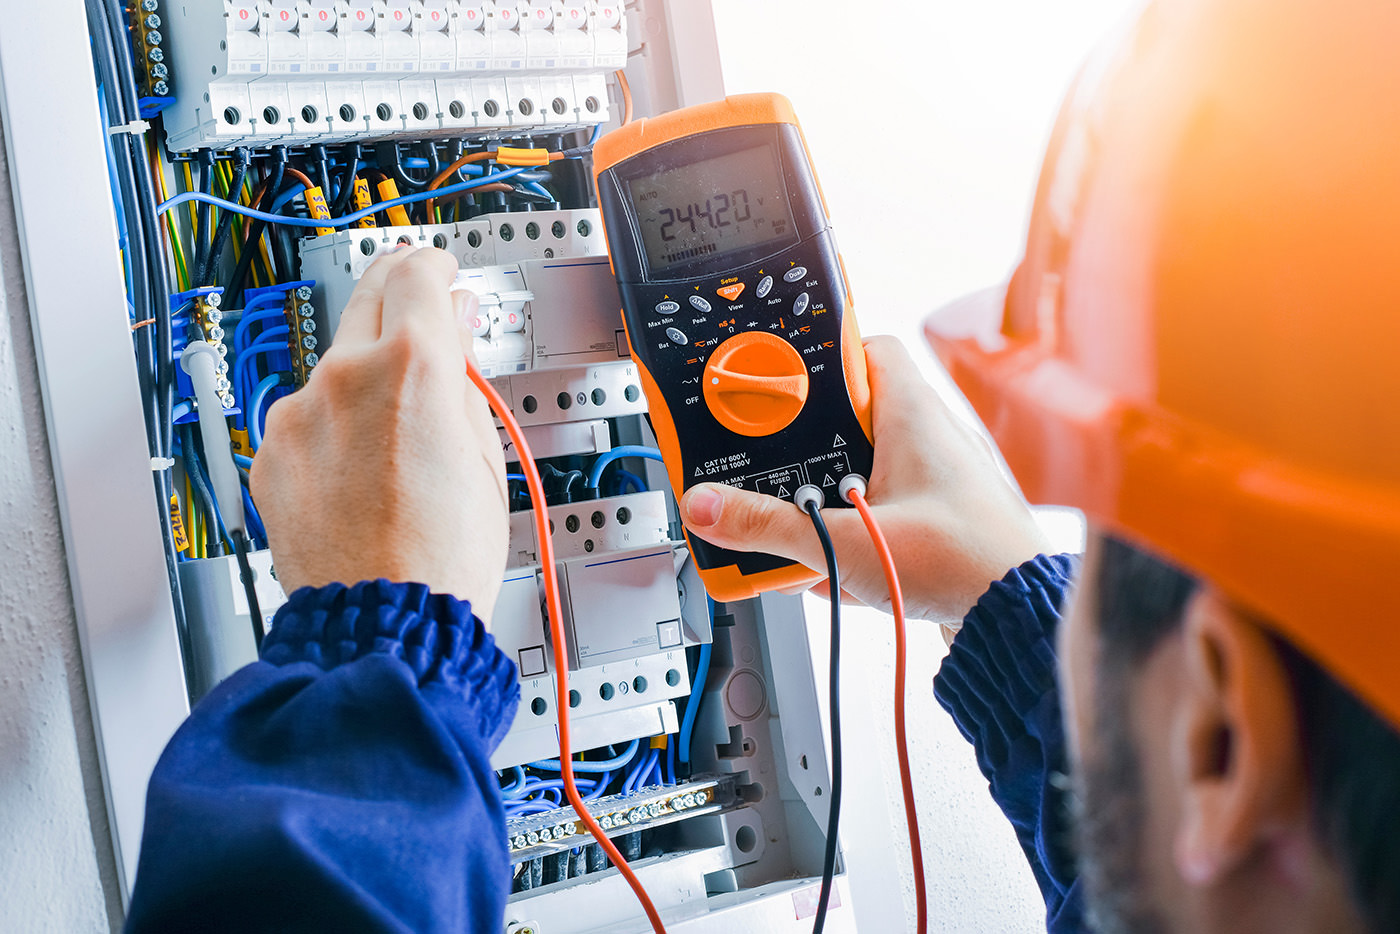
<point>135,128</point>
<point>161,464</point>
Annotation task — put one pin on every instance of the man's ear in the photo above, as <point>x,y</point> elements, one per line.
<point>1235,744</point>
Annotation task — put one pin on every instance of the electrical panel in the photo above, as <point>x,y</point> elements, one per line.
<point>297,141</point>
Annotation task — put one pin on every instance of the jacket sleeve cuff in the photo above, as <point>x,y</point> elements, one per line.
<point>1001,665</point>
<point>447,649</point>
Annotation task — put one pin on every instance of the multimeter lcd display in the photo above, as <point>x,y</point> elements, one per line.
<point>712,207</point>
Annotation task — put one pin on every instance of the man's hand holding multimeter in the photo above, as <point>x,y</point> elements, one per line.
<point>738,312</point>
<point>953,521</point>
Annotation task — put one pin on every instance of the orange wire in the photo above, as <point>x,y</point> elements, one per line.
<point>556,635</point>
<point>625,90</point>
<point>300,176</point>
<point>447,173</point>
<point>906,778</point>
<point>494,186</point>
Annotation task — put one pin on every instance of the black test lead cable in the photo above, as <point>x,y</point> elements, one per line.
<point>809,499</point>
<point>245,573</point>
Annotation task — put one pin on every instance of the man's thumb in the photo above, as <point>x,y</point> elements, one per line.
<point>743,521</point>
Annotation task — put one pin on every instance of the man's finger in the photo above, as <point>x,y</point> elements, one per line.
<point>360,321</point>
<point>417,296</point>
<point>744,521</point>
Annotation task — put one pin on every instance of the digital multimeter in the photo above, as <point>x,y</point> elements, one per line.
<point>738,313</point>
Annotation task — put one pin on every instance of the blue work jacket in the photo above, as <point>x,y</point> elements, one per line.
<point>343,782</point>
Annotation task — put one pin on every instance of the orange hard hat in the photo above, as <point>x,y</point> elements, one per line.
<point>1199,347</point>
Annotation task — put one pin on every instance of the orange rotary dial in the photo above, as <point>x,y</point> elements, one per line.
<point>755,383</point>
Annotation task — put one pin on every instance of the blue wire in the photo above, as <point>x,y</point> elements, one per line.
<point>600,788</point>
<point>539,189</point>
<point>256,529</point>
<point>253,314</point>
<point>516,476</point>
<point>244,365</point>
<point>597,132</point>
<point>255,408</point>
<point>242,460</point>
<point>287,197</point>
<point>697,691</point>
<point>626,478</point>
<point>269,341</point>
<point>653,767</point>
<point>348,219</point>
<point>517,788</point>
<point>532,807</point>
<point>671,760</point>
<point>552,765</point>
<point>617,453</point>
<point>639,774</point>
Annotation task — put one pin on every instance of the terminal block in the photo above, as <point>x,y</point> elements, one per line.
<point>155,79</point>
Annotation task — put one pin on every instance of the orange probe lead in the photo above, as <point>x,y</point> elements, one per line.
<point>855,495</point>
<point>556,635</point>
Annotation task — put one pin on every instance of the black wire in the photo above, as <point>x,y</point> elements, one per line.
<point>245,574</point>
<point>204,229</point>
<point>347,185</point>
<point>206,272</point>
<point>833,818</point>
<point>255,232</point>
<point>323,168</point>
<point>387,155</point>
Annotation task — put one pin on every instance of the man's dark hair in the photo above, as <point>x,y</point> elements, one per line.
<point>1352,756</point>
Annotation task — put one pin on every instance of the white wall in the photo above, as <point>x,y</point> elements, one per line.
<point>55,852</point>
<point>927,123</point>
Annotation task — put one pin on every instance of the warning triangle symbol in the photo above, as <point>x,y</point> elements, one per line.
<point>783,491</point>
<point>699,472</point>
<point>839,442</point>
<point>828,481</point>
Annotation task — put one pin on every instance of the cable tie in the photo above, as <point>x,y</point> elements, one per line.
<point>135,128</point>
<point>160,464</point>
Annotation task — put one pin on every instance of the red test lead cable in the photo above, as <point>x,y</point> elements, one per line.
<point>853,491</point>
<point>556,635</point>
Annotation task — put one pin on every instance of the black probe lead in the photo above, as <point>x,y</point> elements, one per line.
<point>809,499</point>
<point>245,574</point>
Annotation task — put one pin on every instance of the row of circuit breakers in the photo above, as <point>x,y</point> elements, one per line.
<point>255,72</point>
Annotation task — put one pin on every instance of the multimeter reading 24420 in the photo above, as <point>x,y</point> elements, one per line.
<point>737,310</point>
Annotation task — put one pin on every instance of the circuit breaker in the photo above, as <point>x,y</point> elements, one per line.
<point>312,137</point>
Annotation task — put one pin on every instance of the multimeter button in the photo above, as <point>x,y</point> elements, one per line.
<point>676,335</point>
<point>765,285</point>
<point>799,304</point>
<point>755,383</point>
<point>667,308</point>
<point>795,273</point>
<point>699,304</point>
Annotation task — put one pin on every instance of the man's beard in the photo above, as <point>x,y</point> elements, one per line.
<point>1109,817</point>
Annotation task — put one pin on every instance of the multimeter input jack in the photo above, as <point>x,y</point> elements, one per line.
<point>807,494</point>
<point>851,483</point>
